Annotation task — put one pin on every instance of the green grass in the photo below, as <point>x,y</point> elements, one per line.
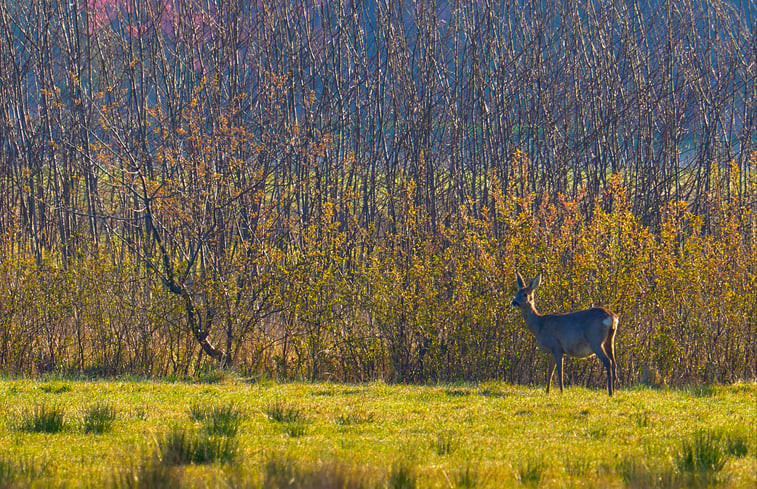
<point>42,418</point>
<point>530,472</point>
<point>182,447</point>
<point>98,418</point>
<point>466,478</point>
<point>217,420</point>
<point>353,417</point>
<point>702,454</point>
<point>291,418</point>
<point>403,476</point>
<point>18,472</point>
<point>285,473</point>
<point>445,443</point>
<point>283,413</point>
<point>238,433</point>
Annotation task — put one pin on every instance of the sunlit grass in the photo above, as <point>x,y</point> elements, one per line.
<point>183,446</point>
<point>217,420</point>
<point>377,435</point>
<point>43,418</point>
<point>98,418</point>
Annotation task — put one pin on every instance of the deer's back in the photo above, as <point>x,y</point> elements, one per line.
<point>575,331</point>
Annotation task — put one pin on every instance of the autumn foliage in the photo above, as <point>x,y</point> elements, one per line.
<point>187,187</point>
<point>338,301</point>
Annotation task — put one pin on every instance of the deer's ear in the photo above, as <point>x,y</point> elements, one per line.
<point>521,282</point>
<point>535,282</point>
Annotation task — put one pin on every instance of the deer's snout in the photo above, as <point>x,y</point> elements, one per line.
<point>514,303</point>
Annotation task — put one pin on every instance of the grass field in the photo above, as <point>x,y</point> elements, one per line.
<point>235,433</point>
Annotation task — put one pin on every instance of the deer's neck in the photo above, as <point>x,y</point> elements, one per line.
<point>532,318</point>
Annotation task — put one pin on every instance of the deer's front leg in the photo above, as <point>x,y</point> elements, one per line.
<point>558,359</point>
<point>550,372</point>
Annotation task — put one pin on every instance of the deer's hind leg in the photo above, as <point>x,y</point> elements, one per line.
<point>609,348</point>
<point>605,359</point>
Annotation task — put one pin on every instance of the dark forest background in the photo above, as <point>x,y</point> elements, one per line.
<point>344,190</point>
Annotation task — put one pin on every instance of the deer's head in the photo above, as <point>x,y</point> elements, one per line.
<point>525,296</point>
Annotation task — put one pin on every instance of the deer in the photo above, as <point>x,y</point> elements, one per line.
<point>579,334</point>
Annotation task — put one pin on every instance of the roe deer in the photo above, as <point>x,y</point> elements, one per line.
<point>579,334</point>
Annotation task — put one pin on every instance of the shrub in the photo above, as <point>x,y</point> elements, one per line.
<point>702,454</point>
<point>181,447</point>
<point>531,471</point>
<point>42,419</point>
<point>577,466</point>
<point>8,472</point>
<point>55,388</point>
<point>292,419</point>
<point>222,421</point>
<point>20,472</point>
<point>284,473</point>
<point>98,418</point>
<point>637,474</point>
<point>466,478</point>
<point>282,413</point>
<point>736,444</point>
<point>445,443</point>
<point>152,474</point>
<point>402,476</point>
<point>354,417</point>
<point>295,429</point>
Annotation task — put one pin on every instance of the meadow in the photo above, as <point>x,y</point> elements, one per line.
<point>234,432</point>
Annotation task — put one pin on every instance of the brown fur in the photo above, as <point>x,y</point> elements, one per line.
<point>580,334</point>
